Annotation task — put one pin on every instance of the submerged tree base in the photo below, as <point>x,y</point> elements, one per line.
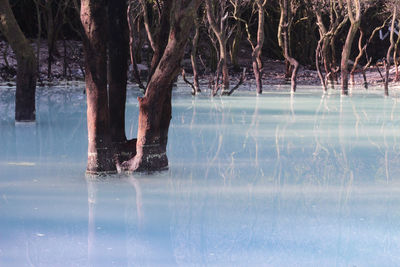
<point>101,162</point>
<point>151,158</point>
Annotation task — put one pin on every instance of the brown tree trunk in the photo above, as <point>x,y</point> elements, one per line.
<point>100,156</point>
<point>284,25</point>
<point>220,33</point>
<point>225,71</point>
<point>355,24</point>
<point>155,106</point>
<point>235,46</point>
<point>193,58</point>
<point>117,67</point>
<point>26,64</point>
<point>256,55</point>
<point>389,51</point>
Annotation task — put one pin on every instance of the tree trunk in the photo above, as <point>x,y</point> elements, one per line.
<point>355,24</point>
<point>235,45</point>
<point>225,71</point>
<point>220,33</point>
<point>100,157</point>
<point>389,51</point>
<point>26,64</point>
<point>117,67</point>
<point>50,36</point>
<point>284,25</point>
<point>256,55</point>
<point>155,106</point>
<point>193,58</point>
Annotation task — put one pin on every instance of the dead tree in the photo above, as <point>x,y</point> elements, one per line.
<point>217,15</point>
<point>257,8</point>
<point>355,20</point>
<point>328,31</point>
<point>393,8</point>
<point>26,64</point>
<point>285,21</point>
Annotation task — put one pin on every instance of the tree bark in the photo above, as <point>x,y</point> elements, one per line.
<point>284,30</point>
<point>220,33</point>
<point>389,51</point>
<point>26,64</point>
<point>193,58</point>
<point>117,67</point>
<point>155,106</point>
<point>354,25</point>
<point>256,55</point>
<point>100,156</point>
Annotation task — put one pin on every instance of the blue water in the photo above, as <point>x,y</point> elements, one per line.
<point>274,180</point>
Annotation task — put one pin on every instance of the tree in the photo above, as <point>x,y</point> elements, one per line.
<point>94,21</point>
<point>284,39</point>
<point>258,8</point>
<point>217,15</point>
<point>355,20</point>
<point>393,7</point>
<point>155,107</point>
<point>26,64</point>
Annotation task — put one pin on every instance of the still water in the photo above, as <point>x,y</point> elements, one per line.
<point>274,180</point>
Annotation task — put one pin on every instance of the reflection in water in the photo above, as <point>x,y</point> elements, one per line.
<point>274,180</point>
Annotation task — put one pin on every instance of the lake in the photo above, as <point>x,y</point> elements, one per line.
<point>273,180</point>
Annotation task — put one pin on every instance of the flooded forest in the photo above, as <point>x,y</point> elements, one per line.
<point>199,133</point>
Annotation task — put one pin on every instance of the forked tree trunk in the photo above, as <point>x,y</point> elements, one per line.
<point>355,21</point>
<point>100,156</point>
<point>220,33</point>
<point>26,64</point>
<point>284,29</point>
<point>117,67</point>
<point>155,106</point>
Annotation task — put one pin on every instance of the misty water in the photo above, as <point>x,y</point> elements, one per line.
<point>274,180</point>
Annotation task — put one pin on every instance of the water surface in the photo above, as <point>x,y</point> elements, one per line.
<point>274,180</point>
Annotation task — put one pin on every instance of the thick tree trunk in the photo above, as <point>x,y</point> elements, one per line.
<point>117,67</point>
<point>155,106</point>
<point>100,156</point>
<point>26,64</point>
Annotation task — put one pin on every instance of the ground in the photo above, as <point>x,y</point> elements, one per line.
<point>70,67</point>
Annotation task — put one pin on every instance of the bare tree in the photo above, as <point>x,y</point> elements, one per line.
<point>257,8</point>
<point>354,14</point>
<point>393,7</point>
<point>286,15</point>
<point>217,15</point>
<point>26,64</point>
